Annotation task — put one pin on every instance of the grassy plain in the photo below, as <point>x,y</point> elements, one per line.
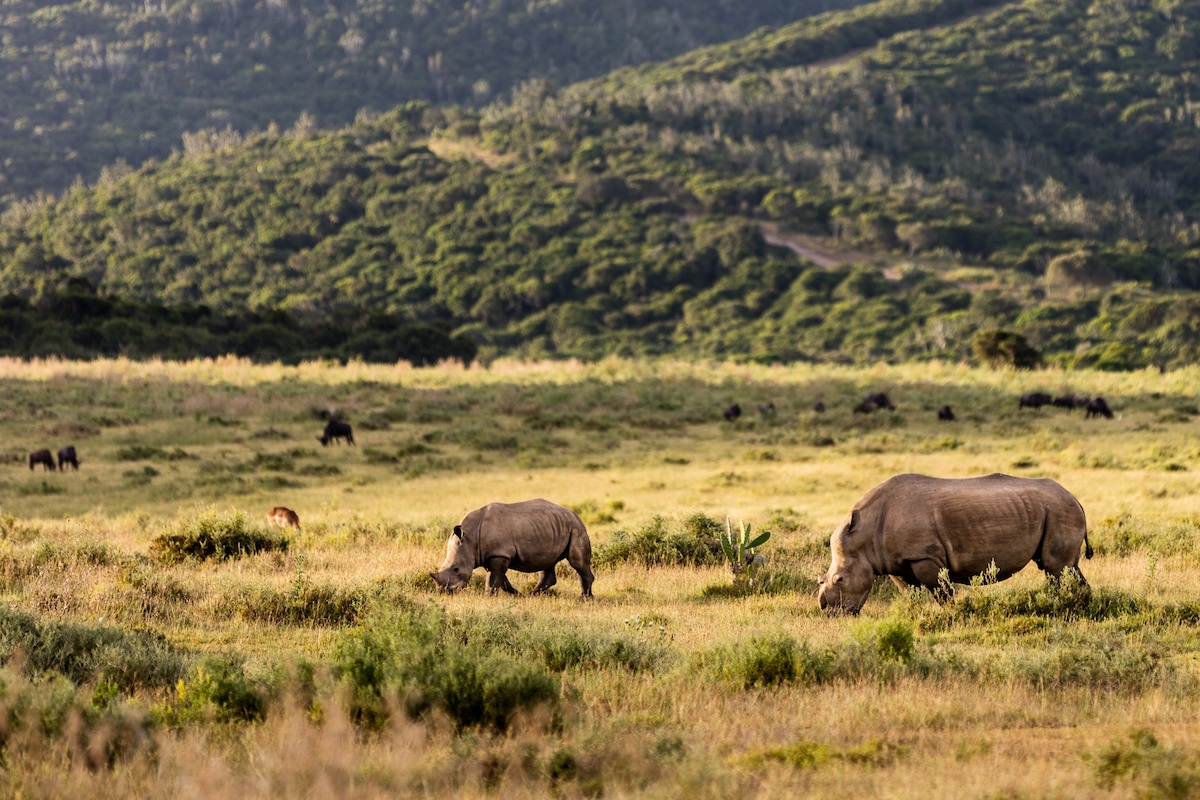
<point>1005,691</point>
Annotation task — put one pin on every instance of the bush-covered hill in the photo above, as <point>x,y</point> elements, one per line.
<point>1046,144</point>
<point>87,83</point>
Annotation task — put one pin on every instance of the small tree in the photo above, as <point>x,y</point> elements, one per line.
<point>1005,348</point>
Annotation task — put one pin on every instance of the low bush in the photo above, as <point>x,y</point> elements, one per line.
<point>218,689</point>
<point>301,604</point>
<point>150,453</point>
<point>694,543</point>
<point>98,729</point>
<point>212,535</point>
<point>89,653</point>
<point>759,661</point>
<point>1148,768</point>
<point>409,659</point>
<point>1126,534</point>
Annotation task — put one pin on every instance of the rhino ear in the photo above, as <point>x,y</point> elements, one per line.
<point>458,531</point>
<point>853,521</point>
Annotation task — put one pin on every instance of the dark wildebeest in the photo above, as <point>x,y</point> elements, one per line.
<point>945,414</point>
<point>1034,400</point>
<point>43,457</point>
<point>67,456</point>
<point>766,409</point>
<point>819,407</point>
<point>336,430</point>
<point>1098,408</point>
<point>874,402</point>
<point>1071,401</point>
<point>732,413</point>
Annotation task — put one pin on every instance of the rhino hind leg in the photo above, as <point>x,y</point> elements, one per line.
<point>497,576</point>
<point>546,579</point>
<point>579,556</point>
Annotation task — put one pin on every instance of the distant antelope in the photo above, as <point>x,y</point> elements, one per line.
<point>284,518</point>
<point>42,457</point>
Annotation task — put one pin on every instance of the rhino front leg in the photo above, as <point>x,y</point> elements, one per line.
<point>546,579</point>
<point>497,576</point>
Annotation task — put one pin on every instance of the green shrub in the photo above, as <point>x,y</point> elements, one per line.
<point>1150,769</point>
<point>411,658</point>
<point>1126,534</point>
<point>695,543</point>
<point>149,453</point>
<point>217,536</point>
<point>86,653</point>
<point>217,689</point>
<point>892,638</point>
<point>759,661</point>
<point>302,604</point>
<point>273,462</point>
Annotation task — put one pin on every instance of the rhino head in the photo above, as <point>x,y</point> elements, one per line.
<point>459,564</point>
<point>844,588</point>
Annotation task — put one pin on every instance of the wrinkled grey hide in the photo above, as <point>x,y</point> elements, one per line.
<point>532,536</point>
<point>911,527</point>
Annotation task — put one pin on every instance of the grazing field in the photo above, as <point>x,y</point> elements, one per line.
<point>161,640</point>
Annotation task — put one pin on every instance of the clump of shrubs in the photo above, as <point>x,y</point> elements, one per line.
<point>410,660</point>
<point>83,653</point>
<point>695,543</point>
<point>219,690</point>
<point>213,535</point>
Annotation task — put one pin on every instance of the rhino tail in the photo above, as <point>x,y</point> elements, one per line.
<point>1087,546</point>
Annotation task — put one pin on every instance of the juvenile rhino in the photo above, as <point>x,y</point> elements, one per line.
<point>532,536</point>
<point>911,527</point>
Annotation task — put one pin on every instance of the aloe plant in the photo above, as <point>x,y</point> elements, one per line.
<point>740,548</point>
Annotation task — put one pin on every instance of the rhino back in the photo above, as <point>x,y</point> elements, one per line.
<point>967,523</point>
<point>534,534</point>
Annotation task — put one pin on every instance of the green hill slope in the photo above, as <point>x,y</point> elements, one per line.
<point>1049,146</point>
<point>87,83</point>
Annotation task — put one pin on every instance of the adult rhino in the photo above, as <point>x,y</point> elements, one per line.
<point>531,536</point>
<point>911,527</point>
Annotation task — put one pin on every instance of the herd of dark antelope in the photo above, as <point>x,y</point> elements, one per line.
<point>879,401</point>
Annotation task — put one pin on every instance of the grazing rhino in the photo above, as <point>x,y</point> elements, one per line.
<point>532,536</point>
<point>945,414</point>
<point>912,527</point>
<point>732,413</point>
<point>42,457</point>
<point>819,407</point>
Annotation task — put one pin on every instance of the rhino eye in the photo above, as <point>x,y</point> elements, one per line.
<point>838,579</point>
<point>456,569</point>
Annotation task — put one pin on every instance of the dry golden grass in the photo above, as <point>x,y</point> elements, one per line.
<point>634,440</point>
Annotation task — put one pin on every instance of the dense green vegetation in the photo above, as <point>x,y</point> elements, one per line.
<point>1025,168</point>
<point>88,83</point>
<point>76,322</point>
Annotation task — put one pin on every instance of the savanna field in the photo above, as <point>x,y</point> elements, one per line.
<point>161,640</point>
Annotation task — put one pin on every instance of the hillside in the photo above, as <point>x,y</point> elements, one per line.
<point>88,83</point>
<point>1028,166</point>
